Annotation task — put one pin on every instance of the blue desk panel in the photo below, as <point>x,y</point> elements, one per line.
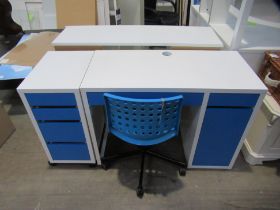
<point>193,99</point>
<point>233,99</point>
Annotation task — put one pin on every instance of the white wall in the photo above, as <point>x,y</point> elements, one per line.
<point>132,11</point>
<point>253,58</point>
<point>49,13</point>
<point>43,13</point>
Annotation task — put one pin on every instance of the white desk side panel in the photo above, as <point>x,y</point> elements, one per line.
<point>59,72</point>
<point>140,35</point>
<point>90,121</point>
<point>249,124</point>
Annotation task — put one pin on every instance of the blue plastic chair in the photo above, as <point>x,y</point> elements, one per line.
<point>142,122</point>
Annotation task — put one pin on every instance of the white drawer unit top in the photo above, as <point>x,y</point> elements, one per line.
<point>140,35</point>
<point>180,71</point>
<point>58,71</point>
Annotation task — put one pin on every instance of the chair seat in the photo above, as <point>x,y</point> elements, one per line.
<point>148,142</point>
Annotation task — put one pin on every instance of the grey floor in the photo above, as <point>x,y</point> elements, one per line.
<point>28,182</point>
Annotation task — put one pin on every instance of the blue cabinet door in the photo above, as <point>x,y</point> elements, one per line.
<point>220,134</point>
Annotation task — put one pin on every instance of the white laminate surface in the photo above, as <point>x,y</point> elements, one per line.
<point>138,35</point>
<point>58,71</point>
<point>196,71</point>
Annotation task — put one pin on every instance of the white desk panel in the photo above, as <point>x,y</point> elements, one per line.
<point>58,71</point>
<point>183,71</point>
<point>140,35</point>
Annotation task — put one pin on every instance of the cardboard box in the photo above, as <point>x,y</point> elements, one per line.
<point>6,126</point>
<point>73,12</point>
<point>31,51</point>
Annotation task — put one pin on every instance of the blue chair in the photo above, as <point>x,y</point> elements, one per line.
<point>144,123</point>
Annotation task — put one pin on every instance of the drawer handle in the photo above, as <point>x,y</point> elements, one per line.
<point>53,107</point>
<point>61,142</point>
<point>230,107</point>
<point>57,121</point>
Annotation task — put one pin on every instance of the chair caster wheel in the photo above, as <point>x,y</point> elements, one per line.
<point>105,166</point>
<point>140,192</point>
<point>92,165</point>
<point>182,172</point>
<point>51,164</point>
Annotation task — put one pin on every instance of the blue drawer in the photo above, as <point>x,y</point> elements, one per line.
<point>56,113</point>
<point>51,99</point>
<point>233,99</point>
<point>69,151</point>
<point>62,132</point>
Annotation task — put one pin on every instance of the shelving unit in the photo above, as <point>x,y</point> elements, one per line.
<point>249,26</point>
<point>131,12</point>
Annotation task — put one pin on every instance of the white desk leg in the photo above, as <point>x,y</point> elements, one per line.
<point>91,127</point>
<point>190,133</point>
<point>104,142</point>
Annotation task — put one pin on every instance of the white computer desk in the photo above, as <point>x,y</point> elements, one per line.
<point>97,37</point>
<point>221,96</point>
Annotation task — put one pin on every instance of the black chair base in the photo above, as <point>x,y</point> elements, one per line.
<point>140,191</point>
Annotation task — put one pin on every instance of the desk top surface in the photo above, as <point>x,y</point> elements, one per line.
<point>58,71</point>
<point>182,71</point>
<point>140,35</point>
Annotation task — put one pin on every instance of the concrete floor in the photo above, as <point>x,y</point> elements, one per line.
<point>28,182</point>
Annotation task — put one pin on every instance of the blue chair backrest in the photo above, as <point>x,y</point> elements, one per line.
<point>143,122</point>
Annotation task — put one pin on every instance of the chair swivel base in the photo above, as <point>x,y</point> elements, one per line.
<point>140,191</point>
